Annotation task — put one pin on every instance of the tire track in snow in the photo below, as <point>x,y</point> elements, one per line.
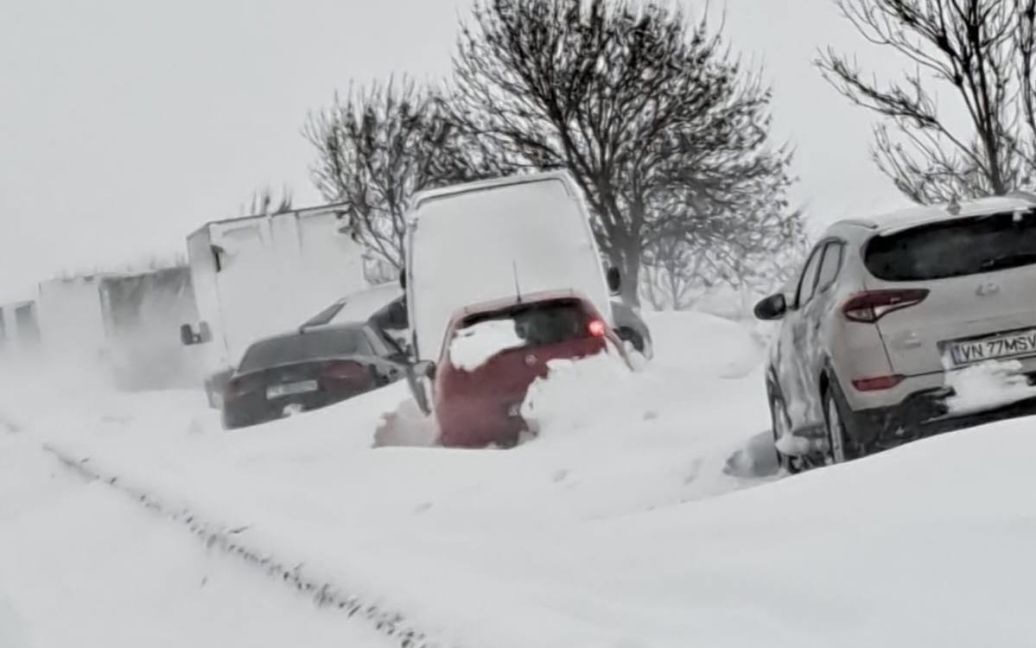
<point>324,593</point>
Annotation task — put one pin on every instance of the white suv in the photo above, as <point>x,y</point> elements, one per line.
<point>887,312</point>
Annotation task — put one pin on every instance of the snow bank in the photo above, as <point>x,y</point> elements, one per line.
<point>987,386</point>
<point>474,345</point>
<point>539,545</point>
<point>702,344</point>
<point>13,632</point>
<point>406,426</point>
<point>571,398</point>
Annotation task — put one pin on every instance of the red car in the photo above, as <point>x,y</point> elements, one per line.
<point>481,405</point>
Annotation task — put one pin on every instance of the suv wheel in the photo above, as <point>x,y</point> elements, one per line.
<point>780,425</point>
<point>839,449</point>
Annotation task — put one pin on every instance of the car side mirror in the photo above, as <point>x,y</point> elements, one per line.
<point>771,308</point>
<point>204,333</point>
<point>397,314</point>
<point>187,337</point>
<point>614,277</point>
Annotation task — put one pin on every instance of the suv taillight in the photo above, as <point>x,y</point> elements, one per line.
<point>877,383</point>
<point>872,305</point>
<point>597,328</point>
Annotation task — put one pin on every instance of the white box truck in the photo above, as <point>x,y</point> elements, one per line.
<point>257,276</point>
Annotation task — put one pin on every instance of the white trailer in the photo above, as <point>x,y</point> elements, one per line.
<point>122,324</point>
<point>70,319</point>
<point>141,312</point>
<point>19,328</point>
<point>261,275</point>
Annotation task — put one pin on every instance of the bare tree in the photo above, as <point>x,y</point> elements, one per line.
<point>981,52</point>
<point>376,149</point>
<point>646,109</point>
<point>672,276</point>
<point>756,254</point>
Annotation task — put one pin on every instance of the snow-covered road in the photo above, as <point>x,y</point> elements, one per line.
<point>81,566</point>
<point>626,524</point>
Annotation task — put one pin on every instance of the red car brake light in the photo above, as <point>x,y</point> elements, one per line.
<point>236,388</point>
<point>597,328</point>
<point>870,306</point>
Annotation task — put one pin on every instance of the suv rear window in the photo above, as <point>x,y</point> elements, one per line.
<point>955,248</point>
<point>303,347</point>
<point>542,323</point>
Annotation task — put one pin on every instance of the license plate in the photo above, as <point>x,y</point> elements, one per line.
<point>290,389</point>
<point>997,347</point>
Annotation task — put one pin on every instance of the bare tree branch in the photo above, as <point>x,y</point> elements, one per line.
<point>376,149</point>
<point>982,50</point>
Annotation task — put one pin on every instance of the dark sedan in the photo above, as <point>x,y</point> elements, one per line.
<point>309,369</point>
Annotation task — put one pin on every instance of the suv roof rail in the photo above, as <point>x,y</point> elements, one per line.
<point>860,222</point>
<point>1026,195</point>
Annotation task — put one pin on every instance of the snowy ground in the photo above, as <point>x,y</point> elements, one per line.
<point>645,515</point>
<point>81,567</point>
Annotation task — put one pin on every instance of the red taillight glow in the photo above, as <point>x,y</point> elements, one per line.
<point>597,328</point>
<point>877,383</point>
<point>345,371</point>
<point>232,390</point>
<point>872,305</point>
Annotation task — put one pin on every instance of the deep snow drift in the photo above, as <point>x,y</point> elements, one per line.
<point>644,514</point>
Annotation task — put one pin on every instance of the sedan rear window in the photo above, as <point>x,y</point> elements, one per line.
<point>304,347</point>
<point>955,248</point>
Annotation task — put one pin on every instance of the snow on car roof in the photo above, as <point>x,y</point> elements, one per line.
<point>490,183</point>
<point>361,305</point>
<point>916,215</point>
<point>358,306</point>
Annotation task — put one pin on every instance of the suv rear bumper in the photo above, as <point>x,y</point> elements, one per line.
<point>924,414</point>
<point>904,391</point>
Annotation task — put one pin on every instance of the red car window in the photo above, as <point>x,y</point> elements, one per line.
<point>541,323</point>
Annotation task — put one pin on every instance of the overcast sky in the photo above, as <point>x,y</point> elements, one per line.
<point>126,124</point>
